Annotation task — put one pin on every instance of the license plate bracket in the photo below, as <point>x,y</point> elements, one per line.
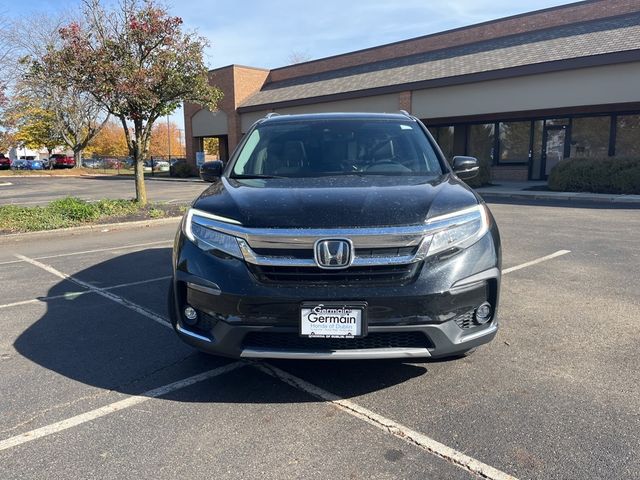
<point>333,319</point>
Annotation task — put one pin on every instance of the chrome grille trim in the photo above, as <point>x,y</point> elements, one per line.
<point>359,261</point>
<point>369,237</point>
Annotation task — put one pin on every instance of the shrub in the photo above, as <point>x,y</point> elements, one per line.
<point>597,175</point>
<point>184,170</point>
<point>74,209</point>
<point>116,208</point>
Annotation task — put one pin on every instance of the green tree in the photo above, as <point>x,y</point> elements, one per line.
<point>36,128</point>
<point>139,64</point>
<point>211,145</point>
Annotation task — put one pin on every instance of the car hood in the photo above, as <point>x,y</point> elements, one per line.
<point>335,202</point>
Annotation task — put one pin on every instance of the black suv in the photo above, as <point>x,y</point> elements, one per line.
<point>337,236</point>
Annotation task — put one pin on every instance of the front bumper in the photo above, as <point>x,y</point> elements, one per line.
<point>239,315</point>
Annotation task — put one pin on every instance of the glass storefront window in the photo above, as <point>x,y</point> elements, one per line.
<point>514,142</point>
<point>444,137</point>
<point>558,121</point>
<point>445,140</point>
<point>590,137</point>
<point>628,136</point>
<point>536,159</point>
<point>480,141</point>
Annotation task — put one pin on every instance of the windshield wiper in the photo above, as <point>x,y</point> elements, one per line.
<point>257,175</point>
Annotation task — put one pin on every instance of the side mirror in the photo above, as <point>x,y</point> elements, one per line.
<point>466,167</point>
<point>211,171</point>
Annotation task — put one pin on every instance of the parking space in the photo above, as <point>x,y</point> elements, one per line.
<point>556,395</point>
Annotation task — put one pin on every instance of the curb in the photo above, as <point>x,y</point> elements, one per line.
<point>58,176</point>
<point>123,177</point>
<point>173,179</point>
<point>577,197</point>
<point>89,228</point>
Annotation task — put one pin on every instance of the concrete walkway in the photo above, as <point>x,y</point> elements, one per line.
<point>518,190</point>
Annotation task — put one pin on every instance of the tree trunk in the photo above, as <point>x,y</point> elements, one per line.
<point>141,189</point>
<point>77,156</point>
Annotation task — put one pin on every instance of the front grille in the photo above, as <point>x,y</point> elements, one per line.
<point>398,274</point>
<point>292,341</point>
<point>466,320</point>
<point>305,253</point>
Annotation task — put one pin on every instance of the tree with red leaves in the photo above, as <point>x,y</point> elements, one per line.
<point>139,64</point>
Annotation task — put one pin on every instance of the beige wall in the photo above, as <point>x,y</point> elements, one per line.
<point>379,103</point>
<point>209,124</point>
<point>587,86</point>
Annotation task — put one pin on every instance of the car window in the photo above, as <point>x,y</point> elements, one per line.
<point>337,147</point>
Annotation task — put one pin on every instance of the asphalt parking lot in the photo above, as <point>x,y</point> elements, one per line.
<point>31,191</point>
<point>94,385</point>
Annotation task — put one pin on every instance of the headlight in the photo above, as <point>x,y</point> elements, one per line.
<point>196,229</point>
<point>459,229</point>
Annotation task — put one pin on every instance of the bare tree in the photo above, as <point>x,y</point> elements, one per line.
<point>299,56</point>
<point>79,117</point>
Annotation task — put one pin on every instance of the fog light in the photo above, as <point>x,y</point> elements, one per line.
<point>191,315</point>
<point>483,313</point>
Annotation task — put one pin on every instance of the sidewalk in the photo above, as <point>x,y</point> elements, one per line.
<point>517,190</point>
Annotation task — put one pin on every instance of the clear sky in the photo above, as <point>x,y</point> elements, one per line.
<point>269,33</point>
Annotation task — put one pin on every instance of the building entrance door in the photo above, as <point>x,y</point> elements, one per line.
<point>553,147</point>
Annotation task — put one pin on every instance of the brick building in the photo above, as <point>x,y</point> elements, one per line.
<point>522,92</point>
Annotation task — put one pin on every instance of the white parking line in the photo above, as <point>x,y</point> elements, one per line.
<point>72,295</point>
<point>115,407</point>
<point>100,291</point>
<point>559,253</point>
<point>84,252</point>
<point>6,184</point>
<point>389,426</point>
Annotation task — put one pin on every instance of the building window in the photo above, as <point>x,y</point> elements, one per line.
<point>628,136</point>
<point>480,141</point>
<point>557,121</point>
<point>515,138</point>
<point>536,159</point>
<point>590,137</point>
<point>445,140</point>
<point>444,137</point>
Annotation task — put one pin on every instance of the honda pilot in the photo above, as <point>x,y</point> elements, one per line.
<point>337,236</point>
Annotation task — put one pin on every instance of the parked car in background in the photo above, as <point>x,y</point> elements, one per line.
<point>19,164</point>
<point>161,166</point>
<point>113,163</point>
<point>91,163</point>
<point>5,163</point>
<point>34,164</point>
<point>60,160</point>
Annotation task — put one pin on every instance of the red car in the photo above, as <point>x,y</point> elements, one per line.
<point>59,160</point>
<point>5,163</point>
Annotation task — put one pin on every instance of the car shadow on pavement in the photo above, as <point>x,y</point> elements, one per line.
<point>98,342</point>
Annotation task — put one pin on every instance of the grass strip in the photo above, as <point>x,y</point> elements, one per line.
<point>72,211</point>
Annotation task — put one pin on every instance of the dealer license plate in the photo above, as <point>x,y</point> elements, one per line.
<point>333,320</point>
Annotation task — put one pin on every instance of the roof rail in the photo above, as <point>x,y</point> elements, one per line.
<point>271,114</point>
<point>406,114</point>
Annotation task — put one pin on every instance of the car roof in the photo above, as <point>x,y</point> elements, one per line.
<point>277,118</point>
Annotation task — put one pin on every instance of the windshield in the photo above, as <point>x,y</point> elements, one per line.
<point>336,147</point>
